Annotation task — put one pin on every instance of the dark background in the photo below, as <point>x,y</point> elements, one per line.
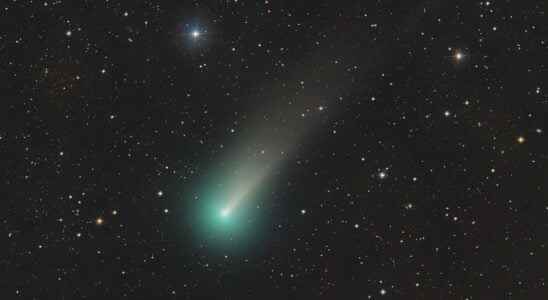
<point>126,106</point>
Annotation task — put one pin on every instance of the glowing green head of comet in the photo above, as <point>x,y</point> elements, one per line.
<point>226,210</point>
<point>219,221</point>
<point>229,205</point>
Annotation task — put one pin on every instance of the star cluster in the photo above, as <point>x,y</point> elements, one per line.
<point>274,150</point>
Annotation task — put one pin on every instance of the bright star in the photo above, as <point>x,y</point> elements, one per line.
<point>195,34</point>
<point>459,56</point>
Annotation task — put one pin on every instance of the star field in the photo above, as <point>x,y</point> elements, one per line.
<point>273,150</point>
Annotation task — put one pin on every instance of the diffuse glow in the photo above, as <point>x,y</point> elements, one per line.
<point>225,212</point>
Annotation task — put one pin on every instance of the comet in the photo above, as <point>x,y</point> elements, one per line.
<point>285,116</point>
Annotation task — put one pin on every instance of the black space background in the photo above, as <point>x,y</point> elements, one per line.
<point>472,225</point>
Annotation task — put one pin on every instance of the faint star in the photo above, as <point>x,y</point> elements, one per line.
<point>520,139</point>
<point>99,221</point>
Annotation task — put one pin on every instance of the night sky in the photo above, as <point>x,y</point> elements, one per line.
<point>273,149</point>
